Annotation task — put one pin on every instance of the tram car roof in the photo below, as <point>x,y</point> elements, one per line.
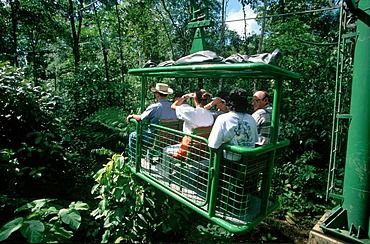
<point>256,70</point>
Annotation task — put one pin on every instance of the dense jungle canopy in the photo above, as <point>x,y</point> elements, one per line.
<point>65,94</point>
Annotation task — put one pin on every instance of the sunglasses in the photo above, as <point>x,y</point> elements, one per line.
<point>257,99</point>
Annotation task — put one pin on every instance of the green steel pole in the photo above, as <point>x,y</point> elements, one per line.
<point>139,134</point>
<point>266,186</point>
<point>356,189</point>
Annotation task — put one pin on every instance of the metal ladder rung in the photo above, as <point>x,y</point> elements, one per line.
<point>343,116</point>
<point>349,35</point>
<point>337,196</point>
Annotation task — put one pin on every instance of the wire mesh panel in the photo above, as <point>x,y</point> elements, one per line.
<point>185,174</point>
<point>234,188</point>
<point>239,191</point>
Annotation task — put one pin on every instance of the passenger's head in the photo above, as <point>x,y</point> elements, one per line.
<point>161,90</point>
<point>178,95</point>
<point>260,100</point>
<point>224,96</point>
<point>238,100</point>
<point>202,98</point>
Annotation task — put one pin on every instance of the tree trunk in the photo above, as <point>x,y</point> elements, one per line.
<point>282,11</point>
<point>123,65</point>
<point>75,33</point>
<point>223,17</point>
<point>245,29</point>
<point>104,49</point>
<point>14,15</point>
<point>260,44</point>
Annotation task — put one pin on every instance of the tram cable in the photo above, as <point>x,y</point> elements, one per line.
<point>286,14</point>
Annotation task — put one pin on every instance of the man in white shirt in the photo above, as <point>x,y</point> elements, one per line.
<point>193,117</point>
<point>236,127</point>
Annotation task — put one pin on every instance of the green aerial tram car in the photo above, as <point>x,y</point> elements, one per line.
<point>238,196</point>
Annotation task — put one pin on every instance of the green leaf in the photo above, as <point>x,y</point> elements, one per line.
<point>119,239</point>
<point>98,175</point>
<point>32,231</point>
<point>105,237</point>
<point>10,227</point>
<point>118,214</point>
<point>62,232</point>
<point>52,210</point>
<point>24,207</point>
<point>94,188</point>
<point>38,140</point>
<point>35,205</point>
<point>79,205</point>
<point>71,217</point>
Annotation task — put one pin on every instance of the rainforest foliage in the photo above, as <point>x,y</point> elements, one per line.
<point>65,94</point>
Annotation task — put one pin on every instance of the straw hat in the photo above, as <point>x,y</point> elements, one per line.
<point>162,88</point>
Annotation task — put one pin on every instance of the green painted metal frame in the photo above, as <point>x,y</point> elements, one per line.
<point>217,71</point>
<point>212,71</point>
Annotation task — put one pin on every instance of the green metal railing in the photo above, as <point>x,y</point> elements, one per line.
<point>229,193</point>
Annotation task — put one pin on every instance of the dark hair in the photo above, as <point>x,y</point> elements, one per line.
<point>267,96</point>
<point>202,97</point>
<point>238,100</point>
<point>223,95</point>
<point>162,94</point>
<point>179,94</point>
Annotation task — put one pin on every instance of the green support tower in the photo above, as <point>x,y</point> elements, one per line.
<point>199,20</point>
<point>351,220</point>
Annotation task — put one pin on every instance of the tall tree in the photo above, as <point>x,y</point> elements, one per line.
<point>263,24</point>
<point>75,15</point>
<point>14,5</point>
<point>102,41</point>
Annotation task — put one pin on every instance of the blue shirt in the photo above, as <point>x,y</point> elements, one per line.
<point>160,110</point>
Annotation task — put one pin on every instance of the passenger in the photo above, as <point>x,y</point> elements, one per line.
<point>192,117</point>
<point>236,127</point>
<point>220,103</point>
<point>262,115</point>
<point>177,95</point>
<point>161,110</point>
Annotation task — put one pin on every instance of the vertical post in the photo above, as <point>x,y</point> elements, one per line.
<point>139,129</point>
<point>215,169</point>
<point>356,189</point>
<point>274,130</point>
<point>276,111</point>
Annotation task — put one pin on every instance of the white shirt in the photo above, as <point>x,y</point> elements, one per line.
<point>234,128</point>
<point>193,117</point>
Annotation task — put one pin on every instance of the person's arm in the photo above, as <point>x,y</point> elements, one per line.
<point>181,100</point>
<point>214,102</point>
<point>136,117</point>
<point>147,115</point>
<point>210,105</point>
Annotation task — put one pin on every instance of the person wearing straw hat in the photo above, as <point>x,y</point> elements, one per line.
<point>161,110</point>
